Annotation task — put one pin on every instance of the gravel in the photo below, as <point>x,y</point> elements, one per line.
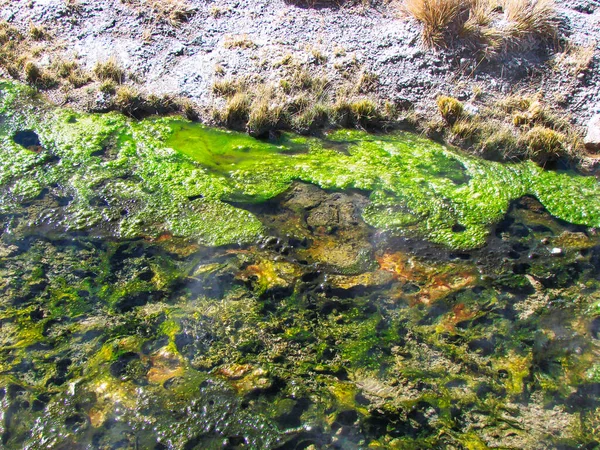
<point>181,59</point>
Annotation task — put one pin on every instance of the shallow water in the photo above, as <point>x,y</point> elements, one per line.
<point>319,326</point>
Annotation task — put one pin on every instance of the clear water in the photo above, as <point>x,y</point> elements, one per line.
<point>322,332</point>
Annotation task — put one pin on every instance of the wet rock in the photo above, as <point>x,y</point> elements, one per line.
<point>573,241</point>
<point>267,275</point>
<point>165,365</point>
<point>129,367</point>
<point>303,197</point>
<point>435,282</point>
<point>235,371</point>
<point>359,283</point>
<point>351,255</point>
<point>255,381</point>
<point>28,139</point>
<point>592,138</point>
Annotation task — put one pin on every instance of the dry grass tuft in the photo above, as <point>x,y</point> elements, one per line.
<point>19,58</point>
<point>240,41</point>
<point>544,143</point>
<point>575,59</point>
<point>173,12</point>
<point>450,109</point>
<point>303,100</point>
<point>227,87</point>
<point>368,82</point>
<point>38,32</point>
<point>436,16</point>
<point>38,77</point>
<point>186,106</point>
<point>237,109</point>
<point>73,5</point>
<point>514,127</point>
<point>525,19</point>
<point>488,26</point>
<point>108,87</point>
<point>109,70</point>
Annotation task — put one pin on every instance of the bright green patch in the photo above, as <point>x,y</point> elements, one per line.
<point>166,175</point>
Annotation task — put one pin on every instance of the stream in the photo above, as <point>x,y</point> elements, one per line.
<point>164,285</point>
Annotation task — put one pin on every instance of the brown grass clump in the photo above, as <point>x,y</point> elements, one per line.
<point>109,70</point>
<point>263,115</point>
<point>526,19</point>
<point>575,59</point>
<point>108,87</point>
<point>514,127</point>
<point>488,26</point>
<point>36,76</point>
<point>173,12</point>
<point>38,32</point>
<point>365,111</point>
<point>303,100</point>
<point>33,74</point>
<point>544,143</point>
<point>237,109</point>
<point>186,106</point>
<point>436,17</point>
<point>128,100</point>
<point>73,5</point>
<point>241,41</point>
<point>19,59</point>
<point>71,72</point>
<point>227,87</point>
<point>13,55</point>
<point>367,82</point>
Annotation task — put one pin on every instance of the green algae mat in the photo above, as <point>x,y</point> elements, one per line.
<point>164,285</point>
<point>168,176</point>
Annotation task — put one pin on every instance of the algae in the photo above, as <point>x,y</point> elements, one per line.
<point>153,176</point>
<point>125,342</point>
<point>325,334</point>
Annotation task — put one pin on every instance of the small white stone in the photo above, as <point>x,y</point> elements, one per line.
<point>556,251</point>
<point>592,138</point>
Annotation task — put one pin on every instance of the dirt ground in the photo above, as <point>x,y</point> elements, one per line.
<point>230,39</point>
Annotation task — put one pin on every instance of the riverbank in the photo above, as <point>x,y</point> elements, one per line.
<point>264,65</point>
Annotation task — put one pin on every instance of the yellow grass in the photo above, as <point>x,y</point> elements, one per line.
<point>490,26</point>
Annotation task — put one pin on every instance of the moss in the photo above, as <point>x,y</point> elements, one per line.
<point>171,175</point>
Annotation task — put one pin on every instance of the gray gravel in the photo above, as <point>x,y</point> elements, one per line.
<point>181,60</point>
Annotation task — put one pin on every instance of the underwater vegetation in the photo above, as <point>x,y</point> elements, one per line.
<point>145,178</point>
<point>164,285</point>
<point>133,343</point>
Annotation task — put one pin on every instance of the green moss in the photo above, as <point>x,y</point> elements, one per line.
<point>167,175</point>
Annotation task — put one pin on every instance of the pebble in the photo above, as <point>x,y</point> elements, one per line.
<point>556,251</point>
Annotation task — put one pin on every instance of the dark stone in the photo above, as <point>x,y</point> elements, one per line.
<point>28,139</point>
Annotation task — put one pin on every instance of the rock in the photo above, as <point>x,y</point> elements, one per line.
<point>592,138</point>
<point>556,251</point>
<point>165,364</point>
<point>7,251</point>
